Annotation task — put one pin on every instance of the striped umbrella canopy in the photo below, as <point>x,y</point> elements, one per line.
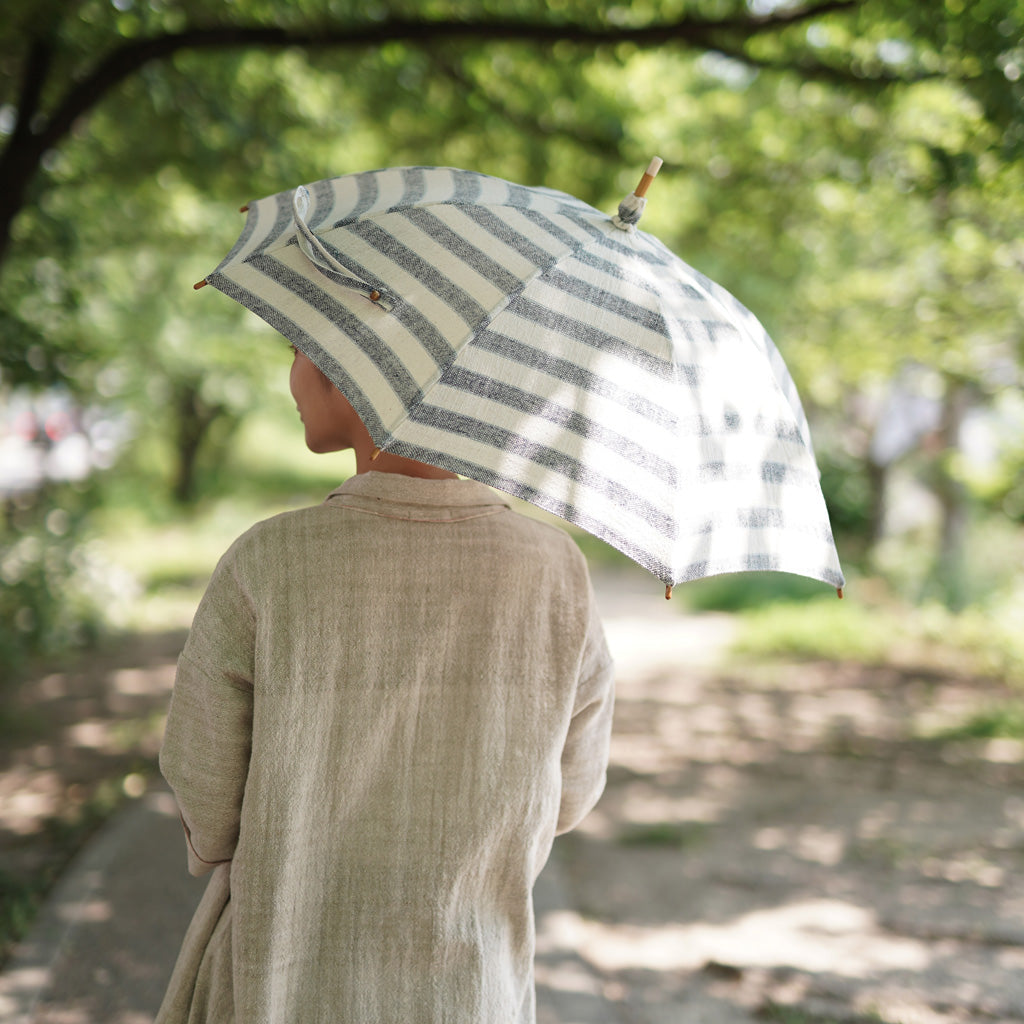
<point>521,337</point>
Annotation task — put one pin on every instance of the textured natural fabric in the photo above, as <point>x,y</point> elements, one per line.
<point>388,706</point>
<point>522,338</point>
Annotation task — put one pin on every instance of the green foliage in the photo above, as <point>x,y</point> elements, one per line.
<point>783,1013</point>
<point>54,588</point>
<point>846,485</point>
<point>143,202</point>
<point>19,899</point>
<point>990,577</point>
<point>848,175</point>
<point>988,633</point>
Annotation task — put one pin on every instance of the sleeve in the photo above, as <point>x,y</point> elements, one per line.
<point>585,754</point>
<point>208,737</point>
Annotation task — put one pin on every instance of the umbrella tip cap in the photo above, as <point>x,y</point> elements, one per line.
<point>200,284</point>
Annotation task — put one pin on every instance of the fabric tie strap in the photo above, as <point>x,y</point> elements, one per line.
<point>320,256</point>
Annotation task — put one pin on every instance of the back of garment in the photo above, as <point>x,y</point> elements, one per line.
<point>388,706</point>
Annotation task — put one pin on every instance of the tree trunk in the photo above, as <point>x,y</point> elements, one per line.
<point>950,560</point>
<point>23,152</point>
<point>17,168</point>
<point>194,419</point>
<point>877,476</point>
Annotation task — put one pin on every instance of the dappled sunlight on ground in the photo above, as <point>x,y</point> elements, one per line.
<point>812,935</point>
<point>79,739</point>
<point>789,841</point>
<point>103,947</point>
<point>794,834</point>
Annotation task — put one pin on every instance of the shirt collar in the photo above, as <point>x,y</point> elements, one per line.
<point>371,490</point>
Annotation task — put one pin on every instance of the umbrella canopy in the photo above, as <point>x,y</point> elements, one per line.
<point>521,337</point>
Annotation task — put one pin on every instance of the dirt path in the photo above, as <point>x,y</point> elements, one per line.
<point>775,840</point>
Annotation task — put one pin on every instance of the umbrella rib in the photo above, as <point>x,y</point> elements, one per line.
<point>536,406</point>
<point>412,263</point>
<point>608,344</point>
<point>459,247</point>
<point>563,509</point>
<point>392,368</point>
<point>254,224</point>
<point>566,465</point>
<point>510,348</point>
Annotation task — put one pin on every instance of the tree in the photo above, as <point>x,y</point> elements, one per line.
<point>130,128</point>
<point>53,78</point>
<point>870,233</point>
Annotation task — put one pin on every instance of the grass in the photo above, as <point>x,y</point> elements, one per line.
<point>780,615</point>
<point>823,628</point>
<point>163,559</point>
<point>20,897</point>
<point>169,553</point>
<point>738,592</point>
<point>780,1013</point>
<point>665,834</point>
<point>990,634</point>
<point>878,628</point>
<point>998,722</point>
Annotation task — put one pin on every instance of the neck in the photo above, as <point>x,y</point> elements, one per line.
<point>385,462</point>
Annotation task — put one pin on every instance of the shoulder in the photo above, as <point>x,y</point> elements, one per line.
<point>548,547</point>
<point>548,536</point>
<point>270,539</point>
<point>271,529</point>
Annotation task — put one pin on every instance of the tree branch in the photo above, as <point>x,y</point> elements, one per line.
<point>20,157</point>
<point>24,148</point>
<point>128,58</point>
<point>598,144</point>
<point>816,70</point>
<point>37,67</point>
<point>785,18</point>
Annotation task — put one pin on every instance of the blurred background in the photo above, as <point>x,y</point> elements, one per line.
<point>850,169</point>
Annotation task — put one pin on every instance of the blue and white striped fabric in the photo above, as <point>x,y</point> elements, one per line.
<point>522,338</point>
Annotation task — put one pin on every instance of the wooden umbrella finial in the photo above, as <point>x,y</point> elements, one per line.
<point>649,175</point>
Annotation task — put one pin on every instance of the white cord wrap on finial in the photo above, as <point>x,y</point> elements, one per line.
<point>631,209</point>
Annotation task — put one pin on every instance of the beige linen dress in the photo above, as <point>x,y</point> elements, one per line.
<point>388,706</point>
